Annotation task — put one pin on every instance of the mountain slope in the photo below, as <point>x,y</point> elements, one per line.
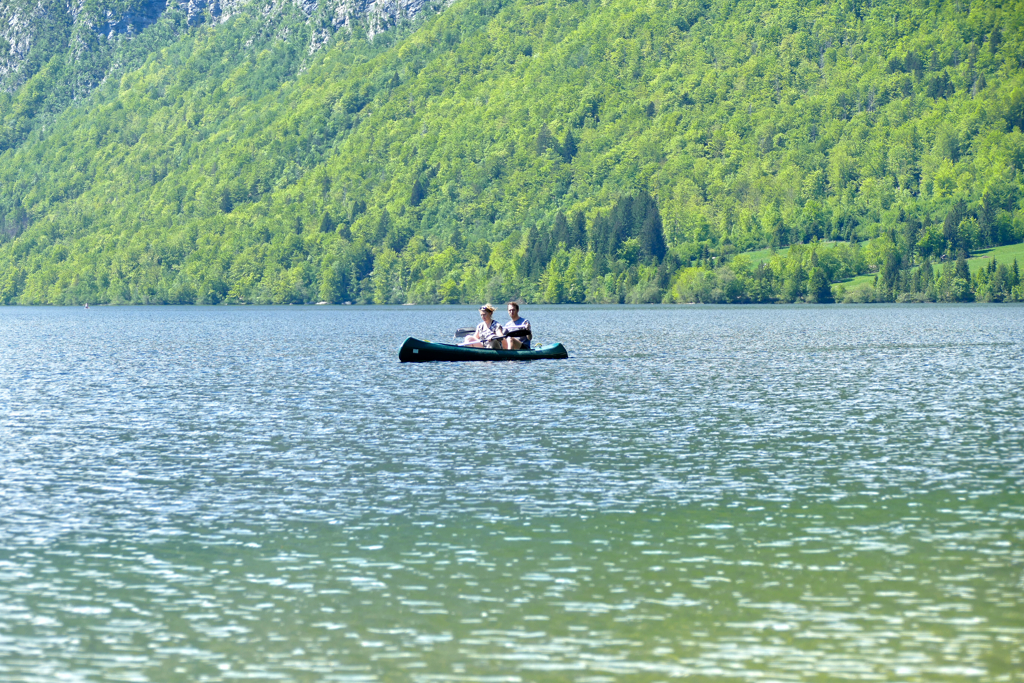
<point>448,159</point>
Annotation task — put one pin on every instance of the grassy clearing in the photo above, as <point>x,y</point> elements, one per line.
<point>762,255</point>
<point>980,259</point>
<point>1004,254</point>
<point>855,282</point>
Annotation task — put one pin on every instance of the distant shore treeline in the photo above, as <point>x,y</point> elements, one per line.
<point>804,275</point>
<point>555,152</point>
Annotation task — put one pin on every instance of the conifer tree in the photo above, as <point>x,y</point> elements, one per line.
<point>456,238</point>
<point>383,227</point>
<point>357,208</point>
<point>622,226</point>
<point>794,286</point>
<point>819,291</point>
<point>417,194</point>
<point>538,251</point>
<point>652,237</point>
<point>890,270</point>
<point>994,39</point>
<point>961,270</point>
<point>960,287</point>
<point>545,140</point>
<point>927,275</point>
<point>326,222</point>
<point>987,220</point>
<point>560,231</point>
<point>577,235</point>
<point>568,146</point>
<point>950,226</point>
<point>600,234</point>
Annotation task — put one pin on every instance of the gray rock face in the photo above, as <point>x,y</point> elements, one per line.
<point>18,23</point>
<point>380,14</point>
<point>21,21</point>
<point>133,21</point>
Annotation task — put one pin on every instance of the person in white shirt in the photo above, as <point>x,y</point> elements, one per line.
<point>487,332</point>
<point>517,323</point>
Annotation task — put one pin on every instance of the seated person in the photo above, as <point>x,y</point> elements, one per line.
<point>487,332</point>
<point>517,324</point>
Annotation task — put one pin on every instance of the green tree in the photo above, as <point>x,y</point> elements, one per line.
<point>545,140</point>
<point>568,147</point>
<point>417,194</point>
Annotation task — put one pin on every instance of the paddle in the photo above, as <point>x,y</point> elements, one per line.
<point>464,332</point>
<point>487,343</point>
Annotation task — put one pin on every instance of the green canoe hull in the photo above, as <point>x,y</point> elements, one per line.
<point>417,351</point>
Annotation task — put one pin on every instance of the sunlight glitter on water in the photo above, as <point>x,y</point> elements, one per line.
<point>756,493</point>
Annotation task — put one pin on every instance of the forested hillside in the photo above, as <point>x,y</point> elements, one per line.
<point>615,151</point>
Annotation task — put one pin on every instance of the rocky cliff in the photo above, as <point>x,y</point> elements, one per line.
<point>33,31</point>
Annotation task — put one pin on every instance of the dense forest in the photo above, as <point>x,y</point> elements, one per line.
<point>547,150</point>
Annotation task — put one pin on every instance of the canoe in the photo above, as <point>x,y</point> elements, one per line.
<point>418,351</point>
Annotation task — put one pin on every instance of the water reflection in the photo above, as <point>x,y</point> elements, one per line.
<point>752,493</point>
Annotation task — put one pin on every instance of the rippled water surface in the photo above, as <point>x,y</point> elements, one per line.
<point>745,493</point>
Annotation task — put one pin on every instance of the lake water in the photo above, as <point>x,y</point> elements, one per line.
<point>721,493</point>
